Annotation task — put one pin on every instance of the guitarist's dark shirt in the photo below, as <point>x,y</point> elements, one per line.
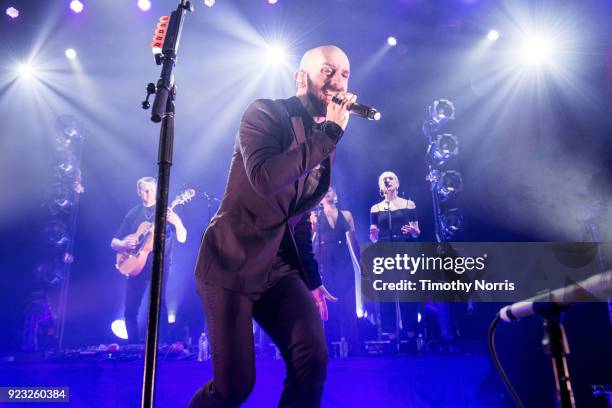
<point>130,224</point>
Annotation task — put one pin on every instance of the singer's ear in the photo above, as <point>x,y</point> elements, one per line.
<point>300,78</point>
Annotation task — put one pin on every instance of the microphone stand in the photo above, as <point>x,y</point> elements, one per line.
<point>163,111</point>
<point>556,345</point>
<point>398,312</point>
<point>209,199</point>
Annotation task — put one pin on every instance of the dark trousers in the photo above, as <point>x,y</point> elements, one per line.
<point>337,270</point>
<point>134,292</point>
<point>288,315</point>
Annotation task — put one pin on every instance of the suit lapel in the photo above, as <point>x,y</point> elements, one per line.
<point>297,127</point>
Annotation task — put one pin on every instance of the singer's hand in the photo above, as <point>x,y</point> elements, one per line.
<point>320,296</point>
<point>339,113</point>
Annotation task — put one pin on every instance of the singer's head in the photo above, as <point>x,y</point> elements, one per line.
<point>388,181</point>
<point>323,71</point>
<point>330,197</point>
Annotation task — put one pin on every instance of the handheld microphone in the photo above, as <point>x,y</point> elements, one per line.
<point>591,289</point>
<point>387,184</point>
<point>360,110</point>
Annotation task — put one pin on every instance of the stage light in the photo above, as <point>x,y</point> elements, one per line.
<point>12,12</point>
<point>451,221</point>
<point>144,5</point>
<point>443,109</point>
<point>70,53</point>
<point>448,184</point>
<point>443,147</point>
<point>537,49</point>
<point>272,1</point>
<point>76,6</point>
<point>440,112</point>
<point>56,233</point>
<point>392,41</point>
<point>493,35</point>
<point>25,70</point>
<point>275,54</point>
<point>419,317</point>
<point>209,3</point>
<point>119,330</point>
<point>60,205</point>
<point>66,172</point>
<point>69,127</point>
<point>171,317</point>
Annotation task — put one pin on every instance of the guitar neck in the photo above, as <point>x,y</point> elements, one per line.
<point>182,198</point>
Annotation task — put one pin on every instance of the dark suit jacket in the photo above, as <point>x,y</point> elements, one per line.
<point>262,209</point>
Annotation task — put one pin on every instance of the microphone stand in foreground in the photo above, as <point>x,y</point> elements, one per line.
<point>163,111</point>
<point>550,306</point>
<point>556,345</point>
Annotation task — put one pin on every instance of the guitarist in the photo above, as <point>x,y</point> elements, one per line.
<point>124,241</point>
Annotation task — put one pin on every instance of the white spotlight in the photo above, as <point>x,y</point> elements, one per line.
<point>493,35</point>
<point>70,53</point>
<point>25,70</point>
<point>119,330</point>
<point>12,12</point>
<point>536,50</point>
<point>76,6</point>
<point>275,54</point>
<point>144,5</point>
<point>392,41</point>
<point>171,317</point>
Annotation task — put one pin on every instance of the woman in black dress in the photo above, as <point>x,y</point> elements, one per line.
<point>394,220</point>
<point>335,248</point>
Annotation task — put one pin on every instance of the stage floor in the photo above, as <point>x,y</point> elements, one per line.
<point>402,381</point>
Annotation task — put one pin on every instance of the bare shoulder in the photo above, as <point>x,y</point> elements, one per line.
<point>376,208</point>
<point>347,214</point>
<point>408,204</point>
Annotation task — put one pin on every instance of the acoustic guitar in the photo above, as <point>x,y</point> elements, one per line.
<point>131,262</point>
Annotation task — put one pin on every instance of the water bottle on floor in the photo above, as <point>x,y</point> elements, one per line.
<point>343,348</point>
<point>420,344</point>
<point>203,348</point>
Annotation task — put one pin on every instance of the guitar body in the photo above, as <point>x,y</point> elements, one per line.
<point>132,262</point>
